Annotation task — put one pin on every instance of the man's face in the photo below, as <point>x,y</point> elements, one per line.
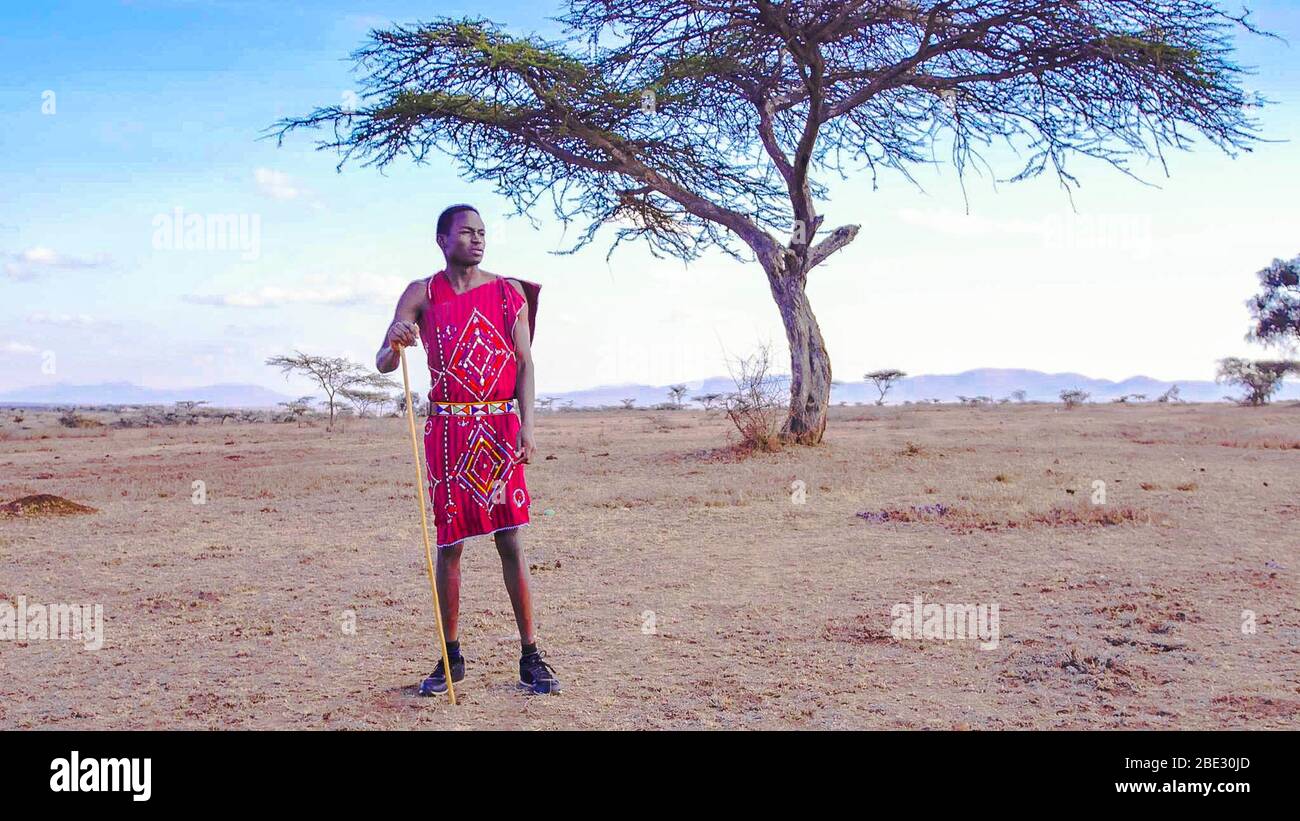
<point>465,240</point>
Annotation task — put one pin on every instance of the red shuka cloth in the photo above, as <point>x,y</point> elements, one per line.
<point>469,341</point>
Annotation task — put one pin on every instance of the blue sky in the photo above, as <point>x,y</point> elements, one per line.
<point>157,106</point>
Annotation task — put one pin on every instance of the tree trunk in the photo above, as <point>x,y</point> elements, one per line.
<point>810,366</point>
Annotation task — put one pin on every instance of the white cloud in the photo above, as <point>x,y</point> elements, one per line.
<point>18,347</point>
<point>275,184</point>
<point>44,318</point>
<point>272,295</point>
<point>354,289</point>
<point>39,260</point>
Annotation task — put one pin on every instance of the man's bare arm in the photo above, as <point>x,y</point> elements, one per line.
<point>405,328</point>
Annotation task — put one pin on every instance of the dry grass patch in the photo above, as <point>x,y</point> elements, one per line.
<point>965,520</point>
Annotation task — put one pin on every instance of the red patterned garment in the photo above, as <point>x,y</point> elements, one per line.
<point>476,481</point>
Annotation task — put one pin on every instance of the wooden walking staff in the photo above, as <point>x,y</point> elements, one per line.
<point>424,523</point>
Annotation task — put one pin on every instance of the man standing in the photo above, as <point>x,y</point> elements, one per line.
<point>479,433</point>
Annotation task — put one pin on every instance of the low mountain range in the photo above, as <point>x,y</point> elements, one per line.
<point>996,383</point>
<point>126,393</point>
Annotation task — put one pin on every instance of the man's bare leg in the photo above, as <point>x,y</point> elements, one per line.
<point>535,674</point>
<point>448,578</point>
<point>515,571</point>
<point>446,575</point>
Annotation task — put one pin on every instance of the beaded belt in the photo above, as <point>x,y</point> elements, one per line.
<point>471,408</point>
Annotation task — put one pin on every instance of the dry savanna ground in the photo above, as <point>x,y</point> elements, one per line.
<point>675,585</point>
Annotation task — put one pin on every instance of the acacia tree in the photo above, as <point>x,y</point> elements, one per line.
<point>884,380</point>
<point>337,376</point>
<point>189,410</point>
<point>367,400</point>
<point>1261,378</point>
<point>694,123</point>
<point>1276,308</point>
<point>298,408</point>
<point>708,400</point>
<point>1074,397</point>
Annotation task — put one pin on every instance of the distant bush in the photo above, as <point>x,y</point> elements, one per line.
<point>72,419</point>
<point>1074,397</point>
<point>708,400</point>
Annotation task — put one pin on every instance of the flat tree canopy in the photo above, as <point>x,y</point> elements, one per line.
<point>1261,378</point>
<point>691,124</point>
<point>337,376</point>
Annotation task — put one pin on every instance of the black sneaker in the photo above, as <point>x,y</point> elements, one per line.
<point>436,683</point>
<point>536,675</point>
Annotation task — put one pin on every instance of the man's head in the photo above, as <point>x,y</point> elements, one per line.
<point>461,235</point>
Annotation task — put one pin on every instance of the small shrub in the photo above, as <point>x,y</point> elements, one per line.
<point>754,407</point>
<point>1075,397</point>
<point>72,419</point>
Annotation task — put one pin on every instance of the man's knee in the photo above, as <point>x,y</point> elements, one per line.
<point>449,556</point>
<point>508,543</point>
